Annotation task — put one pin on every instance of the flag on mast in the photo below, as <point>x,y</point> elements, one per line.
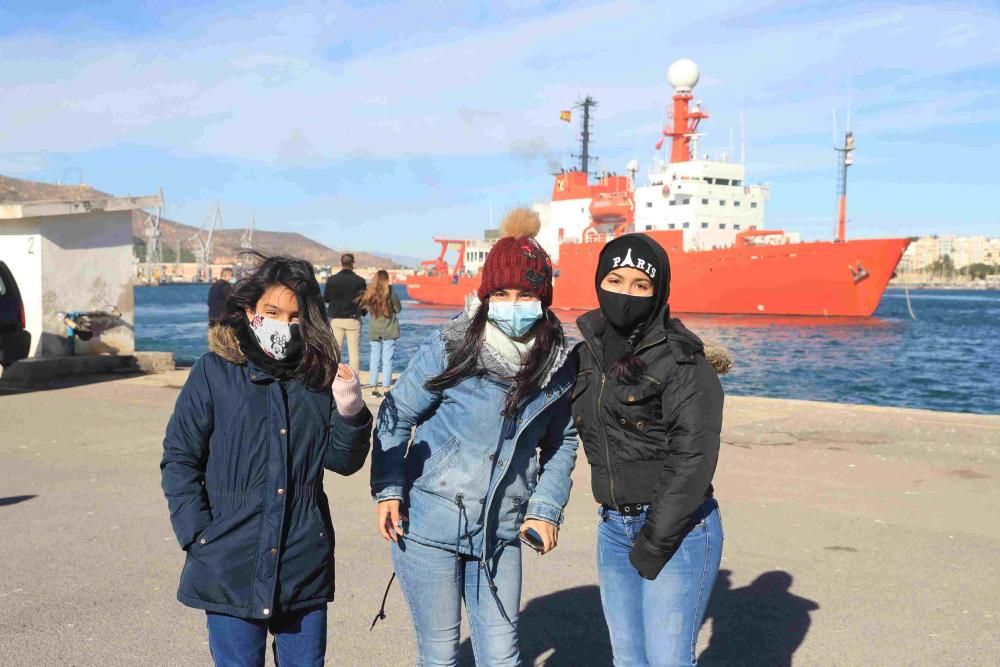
<point>566,115</point>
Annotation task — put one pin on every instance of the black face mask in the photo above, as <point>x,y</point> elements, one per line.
<point>623,311</point>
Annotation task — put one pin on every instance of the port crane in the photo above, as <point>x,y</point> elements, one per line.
<point>203,254</point>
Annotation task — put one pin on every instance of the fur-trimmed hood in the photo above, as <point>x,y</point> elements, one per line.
<point>222,340</point>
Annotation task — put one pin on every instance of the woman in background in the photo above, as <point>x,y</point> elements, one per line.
<point>382,305</point>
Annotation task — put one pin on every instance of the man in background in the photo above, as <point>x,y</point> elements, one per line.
<point>218,294</point>
<point>341,294</point>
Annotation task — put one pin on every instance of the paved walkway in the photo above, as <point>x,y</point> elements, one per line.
<point>854,536</point>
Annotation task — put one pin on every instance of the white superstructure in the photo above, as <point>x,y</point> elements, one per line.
<point>707,199</point>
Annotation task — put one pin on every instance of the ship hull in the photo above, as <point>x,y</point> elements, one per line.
<point>817,279</point>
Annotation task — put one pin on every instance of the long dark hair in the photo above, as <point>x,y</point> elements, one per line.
<point>318,366</point>
<point>630,368</point>
<point>463,362</point>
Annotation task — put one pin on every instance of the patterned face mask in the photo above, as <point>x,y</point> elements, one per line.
<point>276,338</point>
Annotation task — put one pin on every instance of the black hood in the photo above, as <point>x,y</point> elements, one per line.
<point>639,251</point>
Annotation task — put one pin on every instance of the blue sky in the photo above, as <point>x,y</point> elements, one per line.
<point>378,125</point>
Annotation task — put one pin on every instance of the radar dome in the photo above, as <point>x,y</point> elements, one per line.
<point>683,75</point>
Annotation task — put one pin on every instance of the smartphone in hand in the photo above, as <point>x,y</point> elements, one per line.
<point>532,539</point>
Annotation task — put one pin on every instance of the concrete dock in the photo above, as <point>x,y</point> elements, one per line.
<point>854,536</point>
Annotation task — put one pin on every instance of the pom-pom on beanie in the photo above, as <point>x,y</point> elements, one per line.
<point>517,261</point>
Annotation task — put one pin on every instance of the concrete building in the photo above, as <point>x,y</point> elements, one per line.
<point>963,251</point>
<point>70,249</point>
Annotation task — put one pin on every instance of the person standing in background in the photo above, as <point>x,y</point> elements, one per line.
<point>218,294</point>
<point>341,294</point>
<point>382,305</point>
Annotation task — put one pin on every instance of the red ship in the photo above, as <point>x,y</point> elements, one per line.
<point>722,258</point>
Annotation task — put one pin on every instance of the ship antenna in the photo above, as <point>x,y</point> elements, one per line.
<point>586,104</point>
<point>845,160</point>
<point>743,140</point>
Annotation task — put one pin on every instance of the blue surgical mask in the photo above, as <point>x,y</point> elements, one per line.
<point>515,318</point>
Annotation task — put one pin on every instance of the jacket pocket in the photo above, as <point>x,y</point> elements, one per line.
<point>219,564</point>
<point>325,532</point>
<point>434,468</point>
<point>642,393</point>
<point>638,420</point>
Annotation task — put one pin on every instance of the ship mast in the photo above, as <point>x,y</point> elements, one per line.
<point>586,104</point>
<point>845,160</point>
<point>683,76</point>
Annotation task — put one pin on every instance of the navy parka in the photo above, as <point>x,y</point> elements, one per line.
<point>242,471</point>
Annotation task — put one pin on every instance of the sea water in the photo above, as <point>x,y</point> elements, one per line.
<point>946,359</point>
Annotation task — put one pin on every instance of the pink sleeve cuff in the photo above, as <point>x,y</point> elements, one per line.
<point>347,396</point>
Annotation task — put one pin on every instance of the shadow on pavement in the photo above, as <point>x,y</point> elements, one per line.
<point>14,500</point>
<point>564,628</point>
<point>763,623</point>
<point>29,386</point>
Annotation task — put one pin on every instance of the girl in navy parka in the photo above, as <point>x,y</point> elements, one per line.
<point>259,419</point>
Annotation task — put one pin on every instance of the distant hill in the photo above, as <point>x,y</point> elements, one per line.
<point>17,190</point>
<point>226,244</point>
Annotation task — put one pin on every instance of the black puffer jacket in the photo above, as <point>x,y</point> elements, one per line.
<point>654,442</point>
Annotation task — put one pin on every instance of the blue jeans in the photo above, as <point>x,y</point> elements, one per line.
<point>436,581</point>
<point>657,622</point>
<point>299,639</point>
<point>382,351</point>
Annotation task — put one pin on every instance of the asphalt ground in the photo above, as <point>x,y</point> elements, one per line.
<point>853,536</point>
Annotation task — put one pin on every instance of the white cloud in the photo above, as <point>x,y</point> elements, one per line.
<point>242,92</point>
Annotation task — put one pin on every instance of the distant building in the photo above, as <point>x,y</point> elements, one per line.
<point>70,249</point>
<point>962,250</point>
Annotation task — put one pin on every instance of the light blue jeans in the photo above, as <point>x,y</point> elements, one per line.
<point>436,581</point>
<point>656,623</point>
<point>382,351</point>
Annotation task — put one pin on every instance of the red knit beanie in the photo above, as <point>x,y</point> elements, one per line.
<point>517,261</point>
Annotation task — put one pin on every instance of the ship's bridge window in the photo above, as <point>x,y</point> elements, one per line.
<point>722,181</point>
<point>649,227</point>
<point>736,227</point>
<point>722,202</point>
<point>704,225</point>
<point>671,226</point>
<point>722,225</point>
<point>686,225</point>
<point>737,182</point>
<point>649,204</point>
<point>704,201</point>
<point>736,203</point>
<point>708,180</point>
<point>753,226</point>
<point>672,203</point>
<point>686,200</point>
<point>753,204</point>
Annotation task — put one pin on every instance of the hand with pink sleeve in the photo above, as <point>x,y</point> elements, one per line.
<point>347,392</point>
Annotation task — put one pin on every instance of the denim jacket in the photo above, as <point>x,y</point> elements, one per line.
<point>469,476</point>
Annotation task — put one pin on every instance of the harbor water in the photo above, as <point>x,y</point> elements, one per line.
<point>946,359</point>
